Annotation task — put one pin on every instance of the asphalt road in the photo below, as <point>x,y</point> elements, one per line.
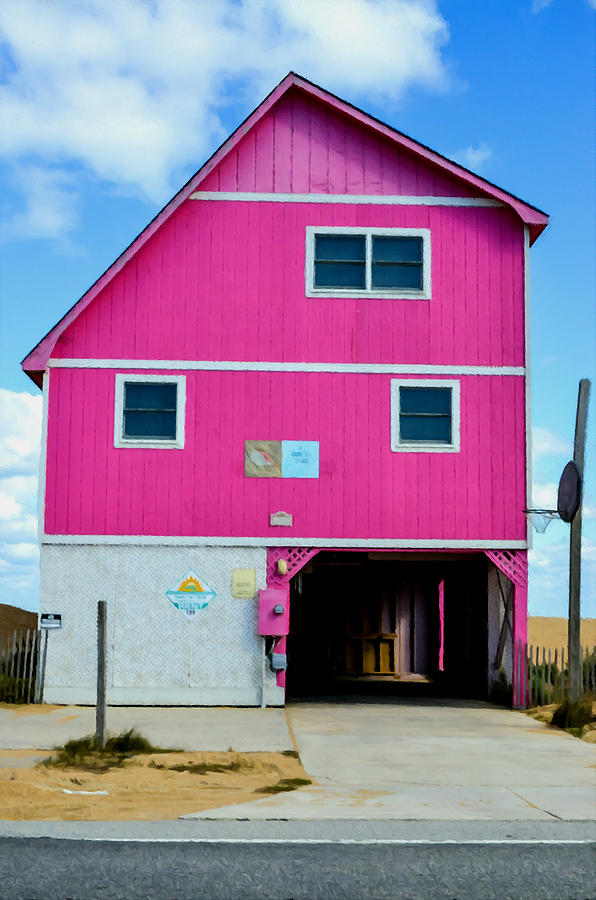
<point>39,868</point>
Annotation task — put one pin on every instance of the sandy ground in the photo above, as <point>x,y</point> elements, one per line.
<point>548,631</point>
<point>545,714</point>
<point>137,789</point>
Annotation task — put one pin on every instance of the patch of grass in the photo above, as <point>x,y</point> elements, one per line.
<point>292,753</point>
<point>202,768</point>
<point>83,753</point>
<point>283,785</point>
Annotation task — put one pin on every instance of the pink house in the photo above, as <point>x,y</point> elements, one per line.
<point>309,373</point>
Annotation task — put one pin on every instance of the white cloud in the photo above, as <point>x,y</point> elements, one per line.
<point>544,496</point>
<point>20,433</point>
<point>50,203</point>
<point>474,157</point>
<point>539,5</point>
<point>547,443</point>
<point>132,91</point>
<point>549,575</point>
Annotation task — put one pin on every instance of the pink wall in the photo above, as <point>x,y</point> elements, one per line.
<point>364,489</point>
<point>225,280</point>
<point>304,146</point>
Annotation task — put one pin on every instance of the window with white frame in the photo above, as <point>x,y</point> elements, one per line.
<point>149,411</point>
<point>425,415</point>
<point>368,262</point>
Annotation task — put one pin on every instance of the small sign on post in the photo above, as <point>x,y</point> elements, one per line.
<point>50,620</point>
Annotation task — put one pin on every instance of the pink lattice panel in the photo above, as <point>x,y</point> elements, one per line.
<point>296,558</point>
<point>513,564</point>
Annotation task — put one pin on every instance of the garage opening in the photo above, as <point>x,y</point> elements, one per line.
<point>403,623</point>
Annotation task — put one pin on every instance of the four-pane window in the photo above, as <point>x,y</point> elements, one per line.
<point>384,262</point>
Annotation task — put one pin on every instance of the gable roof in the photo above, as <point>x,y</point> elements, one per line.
<point>35,362</point>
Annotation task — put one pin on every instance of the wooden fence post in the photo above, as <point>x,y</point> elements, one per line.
<point>44,657</point>
<point>100,706</point>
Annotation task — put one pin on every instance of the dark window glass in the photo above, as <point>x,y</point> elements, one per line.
<point>150,396</point>
<point>340,261</point>
<point>150,411</point>
<point>391,276</point>
<point>425,400</point>
<point>397,249</point>
<point>340,275</point>
<point>149,424</point>
<point>425,428</point>
<point>397,262</point>
<point>425,414</point>
<point>340,246</point>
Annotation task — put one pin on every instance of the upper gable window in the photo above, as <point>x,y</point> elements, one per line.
<point>150,411</point>
<point>368,262</point>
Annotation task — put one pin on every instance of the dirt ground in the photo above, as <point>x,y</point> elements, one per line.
<point>548,631</point>
<point>139,789</point>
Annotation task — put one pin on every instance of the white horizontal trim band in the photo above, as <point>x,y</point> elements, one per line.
<point>330,841</point>
<point>154,540</point>
<point>373,199</point>
<point>241,366</point>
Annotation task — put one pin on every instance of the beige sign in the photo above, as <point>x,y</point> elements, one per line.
<point>262,459</point>
<point>244,582</point>
<point>280,518</point>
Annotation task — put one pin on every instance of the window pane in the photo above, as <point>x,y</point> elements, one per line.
<point>425,400</point>
<point>150,396</point>
<point>340,246</point>
<point>425,428</point>
<point>397,249</point>
<point>340,275</point>
<point>156,425</point>
<point>390,276</point>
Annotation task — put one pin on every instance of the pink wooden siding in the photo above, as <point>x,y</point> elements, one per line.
<point>304,146</point>
<point>225,280</point>
<point>364,490</point>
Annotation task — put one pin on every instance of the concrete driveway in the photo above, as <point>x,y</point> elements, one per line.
<point>428,759</point>
<point>393,759</point>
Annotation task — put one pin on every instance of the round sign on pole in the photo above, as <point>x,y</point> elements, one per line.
<point>569,492</point>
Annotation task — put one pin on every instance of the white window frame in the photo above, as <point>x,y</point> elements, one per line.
<point>368,293</point>
<point>399,446</point>
<point>151,443</point>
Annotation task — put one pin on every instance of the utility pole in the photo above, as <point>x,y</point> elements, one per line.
<point>575,544</point>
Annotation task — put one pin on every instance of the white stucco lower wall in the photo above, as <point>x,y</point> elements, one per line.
<point>156,653</point>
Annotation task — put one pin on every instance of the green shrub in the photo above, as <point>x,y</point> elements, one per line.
<point>84,752</point>
<point>573,715</point>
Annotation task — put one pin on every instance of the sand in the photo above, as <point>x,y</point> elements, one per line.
<point>548,631</point>
<point>137,790</point>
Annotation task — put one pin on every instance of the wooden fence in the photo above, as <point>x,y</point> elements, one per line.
<point>21,666</point>
<point>543,675</point>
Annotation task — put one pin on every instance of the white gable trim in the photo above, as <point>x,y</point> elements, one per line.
<point>189,365</point>
<point>329,543</point>
<point>374,199</point>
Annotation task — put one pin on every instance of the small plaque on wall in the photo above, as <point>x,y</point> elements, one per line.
<point>262,459</point>
<point>280,518</point>
<point>244,583</point>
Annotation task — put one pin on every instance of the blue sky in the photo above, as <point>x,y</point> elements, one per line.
<point>110,105</point>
